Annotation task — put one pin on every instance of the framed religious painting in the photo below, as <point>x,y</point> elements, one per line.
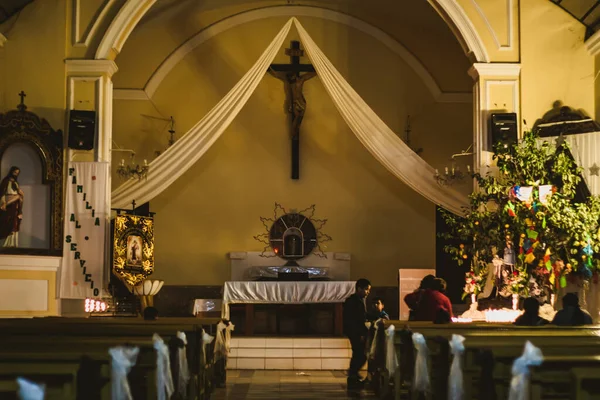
<point>133,248</point>
<point>31,184</point>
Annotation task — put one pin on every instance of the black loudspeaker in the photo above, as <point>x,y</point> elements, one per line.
<point>82,129</point>
<point>504,128</point>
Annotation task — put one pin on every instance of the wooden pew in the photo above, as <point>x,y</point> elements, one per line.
<point>92,337</point>
<point>490,350</point>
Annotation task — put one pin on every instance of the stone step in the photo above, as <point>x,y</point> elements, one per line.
<point>275,353</point>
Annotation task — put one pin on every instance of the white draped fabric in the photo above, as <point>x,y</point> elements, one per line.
<point>184,371</point>
<point>284,293</point>
<point>123,359</point>
<point>164,379</point>
<point>377,137</point>
<point>373,133</point>
<point>585,148</point>
<point>174,162</point>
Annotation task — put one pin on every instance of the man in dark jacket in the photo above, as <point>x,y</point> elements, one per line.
<point>355,316</point>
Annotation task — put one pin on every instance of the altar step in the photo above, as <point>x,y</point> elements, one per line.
<point>289,353</point>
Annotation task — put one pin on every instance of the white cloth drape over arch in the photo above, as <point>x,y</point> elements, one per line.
<point>372,132</point>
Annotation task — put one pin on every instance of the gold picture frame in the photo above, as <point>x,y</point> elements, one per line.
<point>133,248</point>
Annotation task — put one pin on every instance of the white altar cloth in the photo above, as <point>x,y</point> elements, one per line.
<point>284,293</point>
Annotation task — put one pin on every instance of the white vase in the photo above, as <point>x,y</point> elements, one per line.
<point>515,301</point>
<point>473,298</point>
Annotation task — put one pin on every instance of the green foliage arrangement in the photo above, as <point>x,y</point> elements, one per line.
<point>528,205</point>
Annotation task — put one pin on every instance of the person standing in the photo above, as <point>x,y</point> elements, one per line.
<point>355,316</point>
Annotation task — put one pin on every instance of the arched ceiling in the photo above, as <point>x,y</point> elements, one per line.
<point>585,11</point>
<point>414,24</point>
<point>8,8</point>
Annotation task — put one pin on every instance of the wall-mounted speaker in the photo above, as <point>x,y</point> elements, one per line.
<point>503,127</point>
<point>82,129</point>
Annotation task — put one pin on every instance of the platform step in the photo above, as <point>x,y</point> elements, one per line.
<point>289,353</point>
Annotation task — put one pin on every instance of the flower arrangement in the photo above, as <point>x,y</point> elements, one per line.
<point>474,283</point>
<point>517,282</point>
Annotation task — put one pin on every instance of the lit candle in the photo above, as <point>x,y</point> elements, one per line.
<point>452,170</point>
<point>446,170</point>
<point>468,168</point>
<point>145,163</point>
<point>122,162</point>
<point>437,172</point>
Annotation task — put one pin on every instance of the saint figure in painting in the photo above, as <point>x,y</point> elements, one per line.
<point>134,247</point>
<point>11,208</point>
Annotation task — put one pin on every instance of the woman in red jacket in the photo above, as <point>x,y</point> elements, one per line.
<point>429,303</point>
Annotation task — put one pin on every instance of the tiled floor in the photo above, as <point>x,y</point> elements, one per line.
<point>297,385</point>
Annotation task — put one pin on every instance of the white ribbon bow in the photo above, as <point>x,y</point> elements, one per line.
<point>206,340</point>
<point>164,379</point>
<point>455,380</point>
<point>184,371</point>
<point>391,358</point>
<point>223,340</point>
<point>519,385</point>
<point>422,383</point>
<point>29,390</point>
<point>123,358</point>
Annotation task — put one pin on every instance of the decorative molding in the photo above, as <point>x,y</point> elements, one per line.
<point>91,68</point>
<point>78,40</point>
<point>268,12</point>
<point>464,29</point>
<point>38,263</point>
<point>121,27</point>
<point>484,70</point>
<point>130,94</point>
<point>509,34</point>
<point>593,44</point>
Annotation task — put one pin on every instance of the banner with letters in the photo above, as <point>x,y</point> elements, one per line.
<point>86,219</point>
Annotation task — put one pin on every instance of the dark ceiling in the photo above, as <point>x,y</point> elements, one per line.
<point>585,11</point>
<point>8,8</point>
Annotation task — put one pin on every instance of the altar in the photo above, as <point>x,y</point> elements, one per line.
<point>273,292</point>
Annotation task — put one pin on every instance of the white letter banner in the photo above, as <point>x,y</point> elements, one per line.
<point>86,217</point>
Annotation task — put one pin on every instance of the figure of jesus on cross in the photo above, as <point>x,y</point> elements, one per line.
<point>295,101</point>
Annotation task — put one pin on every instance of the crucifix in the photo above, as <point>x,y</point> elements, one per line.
<point>22,106</point>
<point>293,82</point>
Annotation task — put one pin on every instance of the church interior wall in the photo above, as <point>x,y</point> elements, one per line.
<point>555,64</point>
<point>36,38</point>
<point>215,207</point>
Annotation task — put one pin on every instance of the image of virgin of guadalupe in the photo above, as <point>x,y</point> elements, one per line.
<point>11,208</point>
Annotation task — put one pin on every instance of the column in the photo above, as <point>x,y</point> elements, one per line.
<point>90,87</point>
<point>497,89</point>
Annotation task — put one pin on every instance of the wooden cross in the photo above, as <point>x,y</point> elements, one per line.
<point>296,103</point>
<point>22,106</point>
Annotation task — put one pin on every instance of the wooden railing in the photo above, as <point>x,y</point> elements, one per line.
<point>70,356</point>
<point>571,367</point>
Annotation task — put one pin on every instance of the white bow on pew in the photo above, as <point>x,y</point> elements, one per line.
<point>164,379</point>
<point>123,358</point>
<point>223,340</point>
<point>391,358</point>
<point>206,340</point>
<point>455,380</point>
<point>29,390</point>
<point>519,385</point>
<point>184,371</point>
<point>422,382</point>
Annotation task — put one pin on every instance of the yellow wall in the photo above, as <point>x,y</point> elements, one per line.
<point>215,207</point>
<point>33,60</point>
<point>554,62</point>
